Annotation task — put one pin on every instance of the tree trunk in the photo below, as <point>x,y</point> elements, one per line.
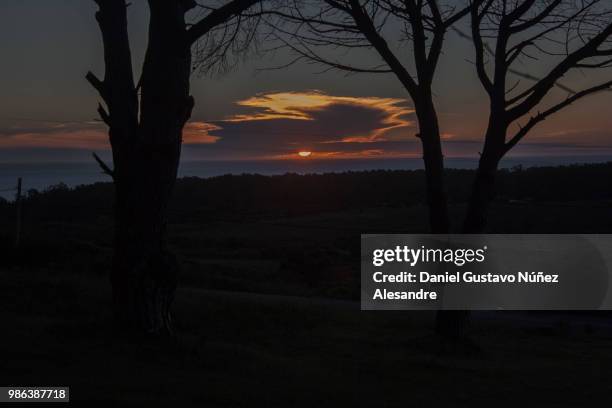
<point>483,192</point>
<point>454,324</point>
<point>144,273</point>
<point>146,138</point>
<point>483,189</point>
<point>450,324</point>
<point>433,159</point>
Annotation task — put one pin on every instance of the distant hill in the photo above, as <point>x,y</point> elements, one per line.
<point>292,194</point>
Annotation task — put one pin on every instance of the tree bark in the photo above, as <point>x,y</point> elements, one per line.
<point>433,159</point>
<point>145,137</point>
<point>454,324</point>
<point>483,189</point>
<point>450,324</point>
<point>481,195</point>
<point>145,271</point>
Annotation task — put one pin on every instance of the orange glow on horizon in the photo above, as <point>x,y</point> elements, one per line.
<point>326,155</point>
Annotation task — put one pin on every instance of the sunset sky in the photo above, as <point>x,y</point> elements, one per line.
<point>47,109</point>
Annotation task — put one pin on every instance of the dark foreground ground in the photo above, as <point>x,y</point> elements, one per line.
<point>267,311</point>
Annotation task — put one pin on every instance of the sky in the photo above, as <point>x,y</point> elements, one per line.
<point>48,110</point>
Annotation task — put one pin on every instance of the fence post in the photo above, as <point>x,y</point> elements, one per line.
<point>18,207</point>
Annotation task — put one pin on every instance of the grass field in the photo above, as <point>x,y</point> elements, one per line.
<point>242,349</point>
<point>267,316</point>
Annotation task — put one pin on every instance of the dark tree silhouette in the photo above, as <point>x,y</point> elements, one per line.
<point>314,26</point>
<point>145,122</point>
<point>311,27</point>
<point>504,33</point>
<point>572,34</point>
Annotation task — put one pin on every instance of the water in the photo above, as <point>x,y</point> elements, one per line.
<point>40,176</point>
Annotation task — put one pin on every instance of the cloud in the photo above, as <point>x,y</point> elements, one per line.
<point>573,137</point>
<point>317,106</point>
<point>269,125</point>
<point>278,125</point>
<point>83,135</point>
<point>54,135</point>
<point>199,133</point>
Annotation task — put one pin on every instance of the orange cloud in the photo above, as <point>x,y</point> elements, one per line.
<point>302,105</point>
<point>199,133</point>
<point>276,125</point>
<point>56,136</point>
<point>85,135</point>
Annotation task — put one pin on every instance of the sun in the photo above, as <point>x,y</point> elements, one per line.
<point>304,154</point>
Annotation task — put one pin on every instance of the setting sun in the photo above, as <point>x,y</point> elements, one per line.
<point>304,154</point>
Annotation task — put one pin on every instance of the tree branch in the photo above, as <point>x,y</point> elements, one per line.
<point>103,166</point>
<point>479,45</point>
<point>104,115</point>
<point>556,108</point>
<point>542,87</point>
<point>364,22</point>
<point>217,17</point>
<point>117,89</point>
<point>97,84</point>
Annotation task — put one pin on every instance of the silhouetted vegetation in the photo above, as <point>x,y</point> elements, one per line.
<point>253,196</point>
<point>296,234</point>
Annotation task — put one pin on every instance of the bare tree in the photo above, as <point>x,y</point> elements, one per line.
<point>570,34</point>
<point>312,27</point>
<point>145,122</point>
